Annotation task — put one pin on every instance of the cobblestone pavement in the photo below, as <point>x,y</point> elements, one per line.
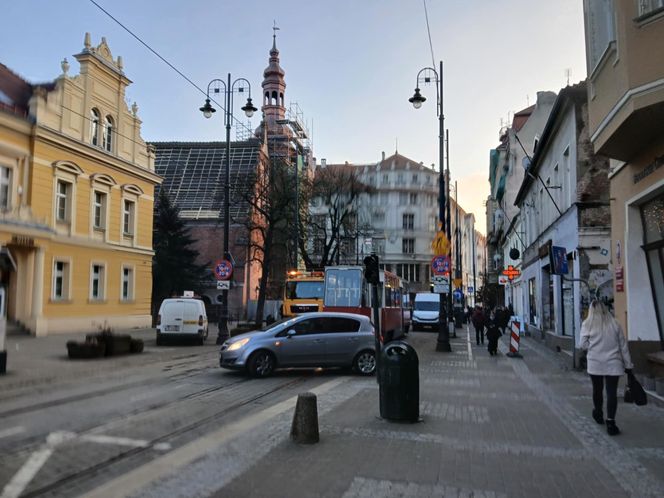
<point>178,426</point>
<point>492,426</point>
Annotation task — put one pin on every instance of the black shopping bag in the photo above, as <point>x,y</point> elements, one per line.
<point>637,393</point>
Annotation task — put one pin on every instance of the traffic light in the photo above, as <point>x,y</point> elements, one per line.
<point>371,270</point>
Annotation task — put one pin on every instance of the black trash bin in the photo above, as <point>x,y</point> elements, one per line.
<point>399,382</point>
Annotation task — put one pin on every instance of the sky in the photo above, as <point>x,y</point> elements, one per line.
<point>350,65</point>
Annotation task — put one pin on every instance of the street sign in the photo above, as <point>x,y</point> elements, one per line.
<point>440,265</point>
<point>440,280</point>
<point>559,260</point>
<point>223,269</point>
<point>457,294</point>
<point>511,273</point>
<point>223,284</point>
<point>441,288</point>
<point>458,282</point>
<point>440,244</point>
<point>471,290</point>
<point>503,280</point>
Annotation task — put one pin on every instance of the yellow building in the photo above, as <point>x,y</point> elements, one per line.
<point>76,200</point>
<point>624,41</point>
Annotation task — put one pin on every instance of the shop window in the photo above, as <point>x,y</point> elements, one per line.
<point>652,217</point>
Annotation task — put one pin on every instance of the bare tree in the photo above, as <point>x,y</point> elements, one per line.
<point>271,207</point>
<point>335,191</point>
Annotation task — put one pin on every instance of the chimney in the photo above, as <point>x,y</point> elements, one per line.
<point>383,155</point>
<point>323,162</point>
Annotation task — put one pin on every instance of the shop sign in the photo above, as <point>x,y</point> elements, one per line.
<point>649,170</point>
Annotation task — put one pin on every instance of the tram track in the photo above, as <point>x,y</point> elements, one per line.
<point>174,376</point>
<point>78,478</point>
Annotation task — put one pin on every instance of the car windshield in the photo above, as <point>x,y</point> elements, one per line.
<point>427,305</point>
<point>305,290</point>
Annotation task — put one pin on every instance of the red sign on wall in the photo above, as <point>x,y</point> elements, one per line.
<point>620,279</point>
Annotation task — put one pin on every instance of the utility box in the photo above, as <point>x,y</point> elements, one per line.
<point>399,382</point>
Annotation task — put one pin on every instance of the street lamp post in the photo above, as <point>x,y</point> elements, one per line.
<point>425,75</point>
<point>229,88</point>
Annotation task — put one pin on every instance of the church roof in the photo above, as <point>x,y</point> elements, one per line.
<point>194,175</point>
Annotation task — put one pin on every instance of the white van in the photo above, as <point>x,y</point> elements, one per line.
<point>425,311</point>
<point>183,317</point>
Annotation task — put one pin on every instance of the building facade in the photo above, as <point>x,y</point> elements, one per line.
<point>564,204</point>
<point>507,170</point>
<point>76,199</point>
<point>626,110</point>
<point>398,218</point>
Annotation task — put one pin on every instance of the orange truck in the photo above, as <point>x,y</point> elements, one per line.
<point>303,292</point>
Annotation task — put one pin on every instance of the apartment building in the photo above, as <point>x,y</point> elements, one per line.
<point>626,111</point>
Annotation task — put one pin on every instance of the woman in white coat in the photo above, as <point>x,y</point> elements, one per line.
<point>608,358</point>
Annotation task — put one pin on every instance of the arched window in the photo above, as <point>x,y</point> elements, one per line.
<point>281,99</point>
<point>275,98</point>
<point>108,133</point>
<point>94,127</point>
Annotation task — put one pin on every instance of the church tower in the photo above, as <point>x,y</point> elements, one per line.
<point>274,88</point>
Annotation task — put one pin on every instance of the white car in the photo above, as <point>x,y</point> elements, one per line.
<point>182,317</point>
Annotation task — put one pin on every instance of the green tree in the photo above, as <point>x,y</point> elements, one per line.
<point>174,267</point>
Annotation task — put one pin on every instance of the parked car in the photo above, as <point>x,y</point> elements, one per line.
<point>425,311</point>
<point>319,339</point>
<point>182,317</point>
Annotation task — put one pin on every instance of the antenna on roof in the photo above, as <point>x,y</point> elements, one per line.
<point>396,145</point>
<point>568,73</point>
<point>527,100</point>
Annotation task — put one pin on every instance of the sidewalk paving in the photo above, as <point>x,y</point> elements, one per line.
<point>492,426</point>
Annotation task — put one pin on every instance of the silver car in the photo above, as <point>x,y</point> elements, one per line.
<point>322,339</point>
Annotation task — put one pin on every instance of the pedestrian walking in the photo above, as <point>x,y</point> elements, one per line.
<point>608,358</point>
<point>493,333</point>
<point>478,320</point>
<point>502,318</point>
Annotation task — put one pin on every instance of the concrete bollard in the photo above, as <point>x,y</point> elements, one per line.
<point>304,429</point>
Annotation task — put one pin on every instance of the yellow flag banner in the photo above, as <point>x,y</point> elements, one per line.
<point>440,245</point>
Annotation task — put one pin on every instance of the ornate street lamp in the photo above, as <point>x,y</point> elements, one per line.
<point>426,75</point>
<point>229,89</point>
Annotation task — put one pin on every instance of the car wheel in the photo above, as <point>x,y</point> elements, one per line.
<point>160,339</point>
<point>365,363</point>
<point>261,364</point>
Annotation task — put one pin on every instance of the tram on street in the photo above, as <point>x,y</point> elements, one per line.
<point>347,291</point>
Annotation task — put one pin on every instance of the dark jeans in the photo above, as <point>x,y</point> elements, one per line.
<point>611,393</point>
<point>479,334</point>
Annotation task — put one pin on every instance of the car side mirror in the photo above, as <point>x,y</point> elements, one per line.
<point>290,333</point>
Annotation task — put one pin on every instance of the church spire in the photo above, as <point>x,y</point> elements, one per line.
<point>274,86</point>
